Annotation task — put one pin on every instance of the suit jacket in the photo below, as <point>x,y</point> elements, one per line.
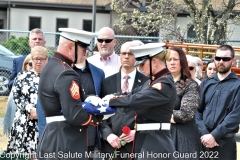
<point>17,67</point>
<point>97,75</point>
<point>123,116</point>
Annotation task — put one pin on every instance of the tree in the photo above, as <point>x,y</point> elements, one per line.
<point>18,45</point>
<point>208,17</point>
<point>145,16</point>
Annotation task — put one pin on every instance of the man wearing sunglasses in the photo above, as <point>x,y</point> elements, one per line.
<point>218,114</point>
<point>106,59</point>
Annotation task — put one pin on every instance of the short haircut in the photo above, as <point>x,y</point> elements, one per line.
<point>39,49</point>
<point>36,30</point>
<point>226,47</point>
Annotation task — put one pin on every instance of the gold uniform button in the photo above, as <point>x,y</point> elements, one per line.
<point>80,130</point>
<point>92,121</point>
<point>97,123</point>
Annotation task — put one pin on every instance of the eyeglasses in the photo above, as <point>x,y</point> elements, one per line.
<point>30,64</point>
<point>191,68</point>
<point>104,40</point>
<point>124,53</point>
<point>39,59</point>
<point>224,59</point>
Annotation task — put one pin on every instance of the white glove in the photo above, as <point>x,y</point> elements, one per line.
<point>107,116</point>
<point>105,100</point>
<point>94,100</point>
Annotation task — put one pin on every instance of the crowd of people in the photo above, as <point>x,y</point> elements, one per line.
<point>171,110</point>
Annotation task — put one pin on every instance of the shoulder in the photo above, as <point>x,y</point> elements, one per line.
<point>112,77</point>
<point>142,76</point>
<point>93,57</point>
<point>92,66</point>
<point>19,59</point>
<point>192,83</point>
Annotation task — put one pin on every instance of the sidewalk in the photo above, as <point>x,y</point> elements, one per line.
<point>1,121</point>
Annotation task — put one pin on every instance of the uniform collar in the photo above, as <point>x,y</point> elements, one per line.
<point>161,73</point>
<point>64,59</point>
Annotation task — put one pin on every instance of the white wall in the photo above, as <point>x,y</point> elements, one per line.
<point>20,20</point>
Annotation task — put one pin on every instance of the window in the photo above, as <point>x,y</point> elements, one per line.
<point>1,23</point>
<point>34,22</point>
<point>87,25</point>
<point>61,23</point>
<point>191,32</point>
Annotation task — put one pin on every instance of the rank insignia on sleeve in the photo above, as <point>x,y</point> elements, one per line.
<point>158,86</point>
<point>74,90</point>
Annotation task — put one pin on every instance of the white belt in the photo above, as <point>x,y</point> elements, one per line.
<point>55,118</point>
<point>152,126</point>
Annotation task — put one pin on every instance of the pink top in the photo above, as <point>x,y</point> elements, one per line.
<point>110,66</point>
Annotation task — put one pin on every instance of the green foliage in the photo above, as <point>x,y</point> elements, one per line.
<point>18,45</point>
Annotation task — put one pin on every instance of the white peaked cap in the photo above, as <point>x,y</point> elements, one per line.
<point>77,35</point>
<point>144,52</point>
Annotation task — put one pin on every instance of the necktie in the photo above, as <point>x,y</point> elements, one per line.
<point>125,84</point>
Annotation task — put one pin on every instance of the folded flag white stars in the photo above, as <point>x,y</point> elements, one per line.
<point>100,109</point>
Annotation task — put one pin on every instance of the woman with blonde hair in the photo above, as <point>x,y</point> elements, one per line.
<point>27,63</point>
<point>24,134</point>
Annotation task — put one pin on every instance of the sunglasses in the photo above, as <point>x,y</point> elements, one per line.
<point>104,40</point>
<point>224,59</point>
<point>30,64</point>
<point>191,68</point>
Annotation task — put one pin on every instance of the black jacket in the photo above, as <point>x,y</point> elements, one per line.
<point>59,94</point>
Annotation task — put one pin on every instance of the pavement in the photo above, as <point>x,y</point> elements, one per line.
<point>1,121</point>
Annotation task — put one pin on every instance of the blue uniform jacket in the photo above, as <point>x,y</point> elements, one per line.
<point>97,75</point>
<point>219,109</point>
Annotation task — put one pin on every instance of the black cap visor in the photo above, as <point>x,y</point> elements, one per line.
<point>140,60</point>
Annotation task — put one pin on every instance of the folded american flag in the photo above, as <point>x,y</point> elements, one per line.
<point>101,109</point>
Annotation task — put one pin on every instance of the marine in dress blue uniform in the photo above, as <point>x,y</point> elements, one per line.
<point>65,135</point>
<point>153,103</point>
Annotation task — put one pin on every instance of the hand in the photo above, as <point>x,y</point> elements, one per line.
<point>114,141</point>
<point>128,137</point>
<point>208,141</point>
<point>33,114</point>
<point>105,100</point>
<point>94,100</point>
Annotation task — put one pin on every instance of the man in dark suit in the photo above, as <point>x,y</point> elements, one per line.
<point>36,38</point>
<point>111,129</point>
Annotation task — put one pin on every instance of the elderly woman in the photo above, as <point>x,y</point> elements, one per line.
<point>24,134</point>
<point>11,106</point>
<point>210,69</point>
<point>193,67</point>
<point>184,129</point>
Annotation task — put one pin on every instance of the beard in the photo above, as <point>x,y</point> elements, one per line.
<point>104,52</point>
<point>223,68</point>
